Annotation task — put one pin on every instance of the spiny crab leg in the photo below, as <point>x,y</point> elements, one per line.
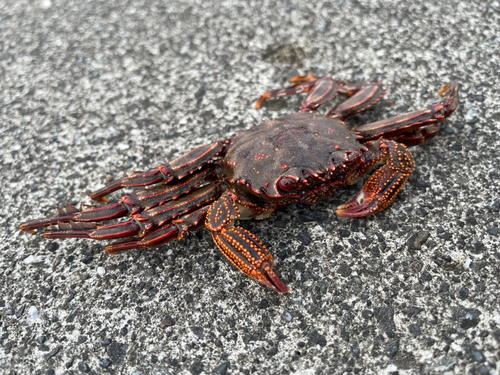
<point>243,249</point>
<point>363,97</point>
<point>175,231</point>
<point>417,126</point>
<point>323,89</point>
<point>150,225</point>
<point>384,185</point>
<point>297,88</point>
<point>177,169</point>
<point>129,204</point>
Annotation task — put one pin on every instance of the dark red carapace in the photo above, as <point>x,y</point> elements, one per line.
<point>300,157</point>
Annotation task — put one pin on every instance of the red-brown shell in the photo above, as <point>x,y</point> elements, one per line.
<point>301,146</point>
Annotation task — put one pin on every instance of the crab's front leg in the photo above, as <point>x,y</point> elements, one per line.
<point>242,248</point>
<point>384,185</point>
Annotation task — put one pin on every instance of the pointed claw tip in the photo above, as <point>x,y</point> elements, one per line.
<point>270,278</point>
<point>283,290</point>
<point>444,89</point>
<point>259,102</point>
<point>451,86</point>
<point>26,228</point>
<point>356,209</point>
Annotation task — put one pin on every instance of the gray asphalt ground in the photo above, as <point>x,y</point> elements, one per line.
<point>90,90</point>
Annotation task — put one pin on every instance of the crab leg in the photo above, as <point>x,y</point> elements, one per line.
<point>414,127</point>
<point>175,231</point>
<point>155,220</point>
<point>177,169</point>
<point>292,90</point>
<point>384,185</point>
<point>419,136</point>
<point>129,204</point>
<point>243,249</point>
<point>321,91</point>
<point>363,97</point>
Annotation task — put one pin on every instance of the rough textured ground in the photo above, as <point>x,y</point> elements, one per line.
<point>90,90</point>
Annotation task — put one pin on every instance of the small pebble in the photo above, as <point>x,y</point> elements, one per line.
<point>33,312</point>
<point>167,322</point>
<point>416,266</point>
<point>82,339</point>
<point>421,238</point>
<point>104,362</point>
<point>287,316</point>
<point>263,304</point>
<point>415,330</point>
<point>304,238</point>
<point>272,352</point>
<point>463,293</point>
<point>471,319</point>
<point>478,356</point>
<point>83,367</point>
<point>355,351</point>
<point>493,231</point>
<point>471,115</point>
<point>392,350</point>
<point>101,271</point>
<point>484,370</point>
<point>29,259</point>
<point>222,368</point>
<point>345,233</point>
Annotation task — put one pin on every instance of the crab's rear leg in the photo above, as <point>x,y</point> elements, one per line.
<point>362,97</point>
<point>321,90</point>
<point>129,205</point>
<point>414,127</point>
<point>149,228</point>
<point>175,231</point>
<point>165,173</point>
<point>243,249</point>
<point>384,185</point>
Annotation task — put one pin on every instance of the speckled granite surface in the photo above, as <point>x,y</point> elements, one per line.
<point>94,89</point>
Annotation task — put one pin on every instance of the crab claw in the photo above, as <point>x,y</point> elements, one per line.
<point>376,194</point>
<point>250,256</point>
<point>384,185</point>
<point>363,204</point>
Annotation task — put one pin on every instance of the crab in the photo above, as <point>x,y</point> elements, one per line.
<point>298,158</point>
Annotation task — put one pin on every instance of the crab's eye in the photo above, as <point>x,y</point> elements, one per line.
<point>287,184</point>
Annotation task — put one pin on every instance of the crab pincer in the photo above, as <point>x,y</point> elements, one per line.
<point>384,184</point>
